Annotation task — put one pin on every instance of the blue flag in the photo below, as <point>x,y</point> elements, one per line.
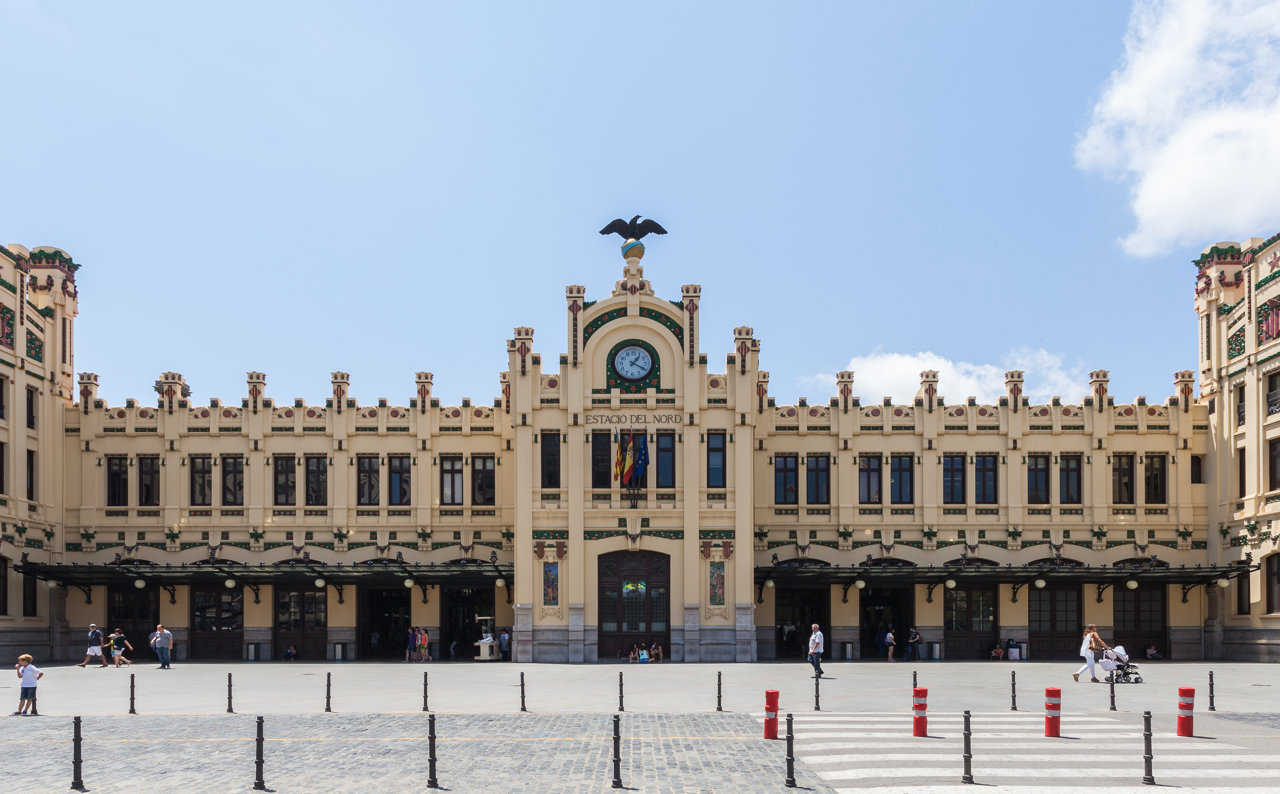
<point>641,457</point>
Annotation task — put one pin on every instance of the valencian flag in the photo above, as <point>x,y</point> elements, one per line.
<point>619,460</point>
<point>641,458</point>
<point>629,467</point>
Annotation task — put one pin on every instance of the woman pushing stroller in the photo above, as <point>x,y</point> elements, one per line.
<point>1091,644</point>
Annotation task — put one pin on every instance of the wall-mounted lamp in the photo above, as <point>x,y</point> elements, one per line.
<point>408,584</point>
<point>1223,583</point>
<point>860,584</point>
<point>1131,584</point>
<point>768,583</point>
<point>139,583</point>
<point>319,582</point>
<point>1040,584</point>
<point>230,584</point>
<point>500,583</point>
<point>950,584</point>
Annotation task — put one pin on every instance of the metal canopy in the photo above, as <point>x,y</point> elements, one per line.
<point>887,573</point>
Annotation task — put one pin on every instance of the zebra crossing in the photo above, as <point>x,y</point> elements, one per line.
<point>851,752</point>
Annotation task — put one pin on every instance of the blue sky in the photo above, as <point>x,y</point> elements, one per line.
<point>298,188</point>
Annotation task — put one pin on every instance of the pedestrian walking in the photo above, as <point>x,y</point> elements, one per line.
<point>162,642</point>
<point>424,645</point>
<point>1090,645</point>
<point>815,651</point>
<point>28,674</point>
<point>95,647</point>
<point>411,645</point>
<point>119,644</point>
<point>889,642</point>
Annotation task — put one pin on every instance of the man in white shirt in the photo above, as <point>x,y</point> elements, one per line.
<point>815,651</point>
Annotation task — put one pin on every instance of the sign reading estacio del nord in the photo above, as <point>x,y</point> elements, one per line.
<point>633,419</point>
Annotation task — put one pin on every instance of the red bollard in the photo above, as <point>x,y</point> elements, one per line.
<point>1052,712</point>
<point>1186,704</point>
<point>919,705</point>
<point>771,714</point>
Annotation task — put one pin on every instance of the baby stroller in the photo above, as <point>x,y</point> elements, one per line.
<point>1116,662</point>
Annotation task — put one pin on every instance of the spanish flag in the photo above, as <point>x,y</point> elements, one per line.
<point>628,468</point>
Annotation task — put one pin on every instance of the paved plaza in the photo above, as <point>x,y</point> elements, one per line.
<point>673,739</point>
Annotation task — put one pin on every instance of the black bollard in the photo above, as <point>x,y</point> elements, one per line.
<point>522,708</point>
<point>132,710</point>
<point>817,695</point>
<point>791,754</point>
<point>229,709</point>
<point>967,777</point>
<point>424,692</point>
<point>1111,680</point>
<point>328,691</point>
<point>719,694</point>
<point>1211,708</point>
<point>258,783</point>
<point>1013,690</point>
<point>77,782</point>
<point>617,751</point>
<point>1147,777</point>
<point>620,708</point>
<point>431,753</point>
<point>913,680</point>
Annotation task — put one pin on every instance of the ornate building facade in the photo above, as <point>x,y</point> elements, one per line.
<point>625,491</point>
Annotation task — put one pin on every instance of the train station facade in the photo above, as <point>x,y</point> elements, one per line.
<point>621,489</point>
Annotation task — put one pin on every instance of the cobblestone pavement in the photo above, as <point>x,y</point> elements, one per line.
<point>388,752</point>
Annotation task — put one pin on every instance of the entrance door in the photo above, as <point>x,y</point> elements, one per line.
<point>882,608</point>
<point>383,622</point>
<point>302,620</point>
<point>461,610</point>
<point>1055,628</point>
<point>1140,621</point>
<point>217,623</point>
<point>635,602</point>
<point>796,610</point>
<point>136,613</point>
<point>969,622</point>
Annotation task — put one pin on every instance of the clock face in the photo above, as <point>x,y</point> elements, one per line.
<point>632,362</point>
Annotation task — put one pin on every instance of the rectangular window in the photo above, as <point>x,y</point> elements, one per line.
<point>1122,479</point>
<point>451,479</point>
<point>29,591</point>
<point>4,585</point>
<point>4,398</point>
<point>200,480</point>
<point>117,481</point>
<point>1242,464</point>
<point>1244,599</point>
<point>1273,394</point>
<point>953,480</point>
<point>31,408</point>
<point>483,491</point>
<point>317,481</point>
<point>4,467</point>
<point>1273,458</point>
<point>1155,476</point>
<point>31,475</point>
<point>601,460</point>
<point>1038,479</point>
<point>666,460</point>
<point>148,480</point>
<point>901,480</point>
<point>64,340</point>
<point>400,482</point>
<point>1197,469</point>
<point>1271,583</point>
<point>784,480</point>
<point>1069,492</point>
<point>818,480</point>
<point>869,479</point>
<point>285,469</point>
<point>550,443</point>
<point>986,482</point>
<point>715,460</point>
<point>1239,406</point>
<point>232,480</point>
<point>367,483</point>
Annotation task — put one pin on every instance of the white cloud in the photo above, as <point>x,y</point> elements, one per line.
<point>1191,119</point>
<point>897,375</point>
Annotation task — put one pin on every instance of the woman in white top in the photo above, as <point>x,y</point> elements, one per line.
<point>1088,646</point>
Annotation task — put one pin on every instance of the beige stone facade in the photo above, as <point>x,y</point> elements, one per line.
<point>257,523</point>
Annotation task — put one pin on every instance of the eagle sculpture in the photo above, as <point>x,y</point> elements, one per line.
<point>631,230</point>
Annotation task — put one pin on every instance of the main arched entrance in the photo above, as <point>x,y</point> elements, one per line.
<point>635,602</point>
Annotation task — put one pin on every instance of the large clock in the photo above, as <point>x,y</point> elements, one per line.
<point>632,362</point>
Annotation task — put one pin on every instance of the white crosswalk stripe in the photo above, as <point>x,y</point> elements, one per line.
<point>870,750</point>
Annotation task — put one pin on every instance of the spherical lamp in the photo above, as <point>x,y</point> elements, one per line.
<point>860,584</point>
<point>139,583</point>
<point>768,583</point>
<point>408,583</point>
<point>230,584</point>
<point>1223,583</point>
<point>319,582</point>
<point>500,583</point>
<point>950,584</point>
<point>1132,584</point>
<point>1040,584</point>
